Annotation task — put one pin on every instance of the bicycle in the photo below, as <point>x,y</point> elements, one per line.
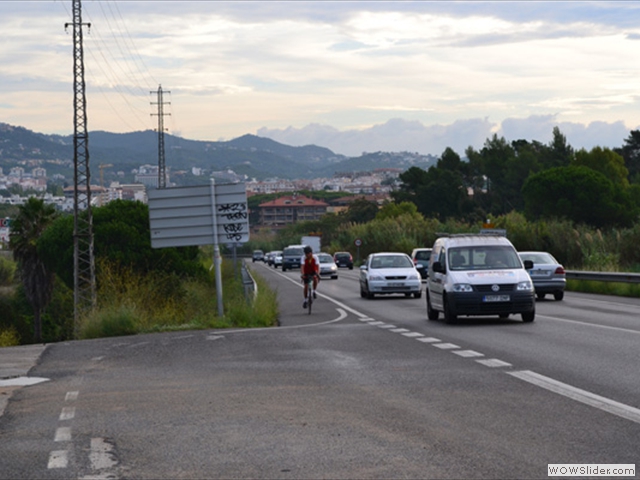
<point>308,279</point>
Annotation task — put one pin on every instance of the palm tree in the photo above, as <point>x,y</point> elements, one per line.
<point>32,219</point>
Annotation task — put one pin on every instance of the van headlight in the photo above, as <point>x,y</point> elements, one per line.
<point>462,287</point>
<point>412,277</point>
<point>524,286</point>
<point>376,278</point>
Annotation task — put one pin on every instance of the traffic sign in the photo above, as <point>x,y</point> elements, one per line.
<point>198,215</point>
<point>357,242</point>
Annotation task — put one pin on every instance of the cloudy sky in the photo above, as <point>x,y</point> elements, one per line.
<point>351,76</point>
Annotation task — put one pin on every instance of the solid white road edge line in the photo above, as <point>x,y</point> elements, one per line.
<point>607,327</point>
<point>579,395</point>
<point>342,316</point>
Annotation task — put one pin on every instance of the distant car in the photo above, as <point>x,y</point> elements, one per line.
<point>268,258</point>
<point>386,273</point>
<point>343,259</point>
<point>420,257</point>
<point>291,257</point>
<point>328,267</point>
<point>547,274</point>
<point>258,255</point>
<point>277,259</point>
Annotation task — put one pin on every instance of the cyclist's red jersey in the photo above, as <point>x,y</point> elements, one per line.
<point>310,265</point>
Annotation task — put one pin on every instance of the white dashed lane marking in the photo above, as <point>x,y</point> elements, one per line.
<point>58,459</point>
<point>63,434</point>
<point>68,413</point>
<point>71,396</point>
<point>611,406</point>
<point>429,340</point>
<point>493,363</point>
<point>468,353</point>
<point>446,346</point>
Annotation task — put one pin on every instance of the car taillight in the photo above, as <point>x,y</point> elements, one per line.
<point>560,271</point>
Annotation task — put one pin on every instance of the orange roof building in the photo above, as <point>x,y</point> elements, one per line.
<point>291,209</point>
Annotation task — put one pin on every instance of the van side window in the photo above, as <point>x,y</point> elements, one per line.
<point>442,258</point>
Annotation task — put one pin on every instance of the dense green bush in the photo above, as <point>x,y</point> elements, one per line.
<point>121,236</point>
<point>7,271</point>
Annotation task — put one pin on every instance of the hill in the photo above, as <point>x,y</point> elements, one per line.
<point>250,155</point>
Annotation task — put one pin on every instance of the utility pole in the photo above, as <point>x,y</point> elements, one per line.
<point>84,288</point>
<point>162,177</point>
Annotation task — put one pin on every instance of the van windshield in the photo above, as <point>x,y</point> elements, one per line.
<point>483,258</point>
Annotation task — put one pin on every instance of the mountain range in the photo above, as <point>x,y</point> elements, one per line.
<point>257,157</point>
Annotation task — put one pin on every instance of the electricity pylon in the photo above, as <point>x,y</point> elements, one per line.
<point>162,177</point>
<point>84,287</point>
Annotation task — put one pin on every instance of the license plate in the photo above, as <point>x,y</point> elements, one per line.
<point>496,298</point>
<point>538,273</point>
<point>396,284</point>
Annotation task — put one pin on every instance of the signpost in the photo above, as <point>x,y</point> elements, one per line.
<point>358,243</point>
<point>5,224</point>
<point>200,215</point>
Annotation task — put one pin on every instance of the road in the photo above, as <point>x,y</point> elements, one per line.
<point>358,389</point>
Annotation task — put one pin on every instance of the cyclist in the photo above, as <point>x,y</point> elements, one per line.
<point>309,266</point>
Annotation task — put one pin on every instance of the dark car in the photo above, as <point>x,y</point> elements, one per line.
<point>420,257</point>
<point>258,255</point>
<point>343,259</point>
<point>291,257</point>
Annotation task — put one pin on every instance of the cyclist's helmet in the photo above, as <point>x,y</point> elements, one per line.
<point>307,249</point>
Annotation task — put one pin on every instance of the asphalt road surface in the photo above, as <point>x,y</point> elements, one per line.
<point>358,389</point>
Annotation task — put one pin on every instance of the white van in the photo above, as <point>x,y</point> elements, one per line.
<point>478,274</point>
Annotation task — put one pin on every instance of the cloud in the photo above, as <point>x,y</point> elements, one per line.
<point>395,135</point>
<point>403,135</point>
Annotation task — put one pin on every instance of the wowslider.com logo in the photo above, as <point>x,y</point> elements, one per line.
<point>591,470</point>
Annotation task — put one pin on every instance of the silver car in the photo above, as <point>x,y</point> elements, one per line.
<point>547,274</point>
<point>328,267</point>
<point>386,273</point>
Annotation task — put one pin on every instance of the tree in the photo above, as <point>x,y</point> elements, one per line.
<point>122,236</point>
<point>394,210</point>
<point>630,151</point>
<point>361,211</point>
<point>605,161</point>
<point>577,193</point>
<point>558,153</point>
<point>37,279</point>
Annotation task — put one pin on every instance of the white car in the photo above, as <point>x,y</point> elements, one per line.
<point>328,267</point>
<point>277,258</point>
<point>387,273</point>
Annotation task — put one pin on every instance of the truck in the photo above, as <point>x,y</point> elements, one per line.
<point>313,241</point>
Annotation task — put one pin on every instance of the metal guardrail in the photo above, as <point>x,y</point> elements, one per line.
<point>604,276</point>
<point>250,285</point>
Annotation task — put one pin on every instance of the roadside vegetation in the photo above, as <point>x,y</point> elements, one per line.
<point>139,289</point>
